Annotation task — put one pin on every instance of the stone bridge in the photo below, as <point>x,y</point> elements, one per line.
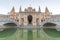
<point>53,23</point>
<point>8,20</point>
<point>52,20</point>
<point>8,23</point>
<point>12,23</point>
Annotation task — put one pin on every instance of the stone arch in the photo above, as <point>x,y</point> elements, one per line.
<point>49,31</point>
<point>51,20</point>
<point>9,21</point>
<point>30,19</point>
<point>7,31</point>
<point>49,24</point>
<point>10,24</point>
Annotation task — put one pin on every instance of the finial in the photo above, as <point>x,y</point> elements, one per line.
<point>20,9</point>
<point>39,9</point>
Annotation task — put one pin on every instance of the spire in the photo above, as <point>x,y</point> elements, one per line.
<point>46,10</point>
<point>20,9</point>
<point>13,9</point>
<point>39,9</point>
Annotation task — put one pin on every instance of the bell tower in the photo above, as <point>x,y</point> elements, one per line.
<point>12,13</point>
<point>47,13</point>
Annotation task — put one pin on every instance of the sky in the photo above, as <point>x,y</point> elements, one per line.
<point>53,5</point>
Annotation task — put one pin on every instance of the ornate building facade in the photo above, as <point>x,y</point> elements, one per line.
<point>30,16</point>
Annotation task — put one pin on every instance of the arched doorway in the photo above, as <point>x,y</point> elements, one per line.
<point>30,19</point>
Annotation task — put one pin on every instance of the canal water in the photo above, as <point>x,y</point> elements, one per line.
<point>30,35</point>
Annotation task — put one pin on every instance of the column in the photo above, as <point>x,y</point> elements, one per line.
<point>34,20</point>
<point>25,20</point>
<point>19,17</point>
<point>40,18</point>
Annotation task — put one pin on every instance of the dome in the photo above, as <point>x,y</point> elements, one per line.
<point>29,7</point>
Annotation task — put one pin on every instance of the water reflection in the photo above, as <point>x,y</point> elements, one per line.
<point>30,35</point>
<point>52,32</point>
<point>7,32</point>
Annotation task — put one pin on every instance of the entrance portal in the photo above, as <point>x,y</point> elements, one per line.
<point>30,19</point>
